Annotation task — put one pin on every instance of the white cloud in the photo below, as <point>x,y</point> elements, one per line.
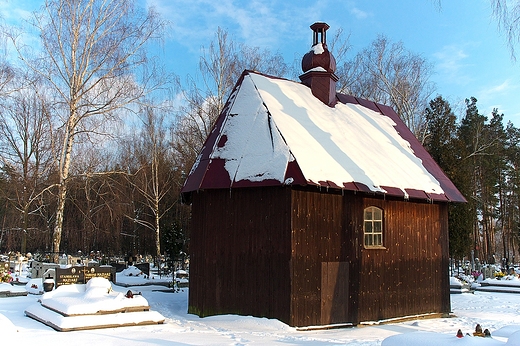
<point>13,12</point>
<point>499,88</point>
<point>452,61</point>
<point>257,23</point>
<point>359,14</point>
<point>495,95</point>
<point>451,58</point>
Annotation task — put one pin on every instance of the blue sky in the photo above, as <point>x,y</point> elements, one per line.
<point>460,38</point>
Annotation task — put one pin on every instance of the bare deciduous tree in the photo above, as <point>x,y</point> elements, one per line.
<point>26,148</point>
<point>94,59</point>
<point>221,64</point>
<point>508,15</point>
<point>386,72</point>
<point>154,179</point>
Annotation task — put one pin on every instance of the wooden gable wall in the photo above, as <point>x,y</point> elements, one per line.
<point>240,252</point>
<point>337,280</point>
<point>411,275</point>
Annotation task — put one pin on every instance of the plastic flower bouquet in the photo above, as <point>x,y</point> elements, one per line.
<point>499,275</point>
<point>475,274</point>
<point>5,276</point>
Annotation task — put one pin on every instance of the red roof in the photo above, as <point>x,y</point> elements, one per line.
<point>273,133</point>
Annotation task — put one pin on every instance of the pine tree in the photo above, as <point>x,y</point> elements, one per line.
<point>492,180</point>
<point>510,195</point>
<point>470,147</point>
<point>442,144</point>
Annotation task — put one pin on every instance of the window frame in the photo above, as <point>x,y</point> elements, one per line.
<point>376,228</point>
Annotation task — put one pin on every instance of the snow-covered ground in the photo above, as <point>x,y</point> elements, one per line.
<point>497,312</point>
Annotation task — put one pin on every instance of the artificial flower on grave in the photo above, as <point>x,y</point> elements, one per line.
<point>5,276</point>
<point>475,274</point>
<point>499,275</point>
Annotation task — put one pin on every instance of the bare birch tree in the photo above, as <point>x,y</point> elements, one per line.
<point>94,59</point>
<point>507,14</point>
<point>154,178</point>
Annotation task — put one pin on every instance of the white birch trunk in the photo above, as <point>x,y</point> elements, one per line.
<point>64,167</point>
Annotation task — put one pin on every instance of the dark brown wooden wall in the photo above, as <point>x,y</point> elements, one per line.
<point>317,237</point>
<point>297,255</point>
<point>240,253</point>
<point>408,277</point>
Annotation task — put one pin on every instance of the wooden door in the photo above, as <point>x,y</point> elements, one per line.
<point>334,292</point>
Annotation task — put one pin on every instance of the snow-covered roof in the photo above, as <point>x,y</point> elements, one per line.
<point>275,132</point>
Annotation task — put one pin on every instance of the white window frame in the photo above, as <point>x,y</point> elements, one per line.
<point>373,227</point>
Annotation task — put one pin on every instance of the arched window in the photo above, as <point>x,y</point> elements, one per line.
<point>373,227</point>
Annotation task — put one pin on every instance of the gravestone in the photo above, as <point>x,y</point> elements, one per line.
<point>4,266</point>
<point>144,267</point>
<point>81,274</point>
<point>39,268</point>
<point>69,276</point>
<point>119,266</point>
<point>100,272</point>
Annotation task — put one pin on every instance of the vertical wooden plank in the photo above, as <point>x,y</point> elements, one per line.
<point>317,236</point>
<point>241,246</point>
<point>407,274</point>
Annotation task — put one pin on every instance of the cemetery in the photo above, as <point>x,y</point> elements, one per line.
<point>79,293</point>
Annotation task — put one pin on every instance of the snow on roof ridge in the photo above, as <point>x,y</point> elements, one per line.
<point>347,143</point>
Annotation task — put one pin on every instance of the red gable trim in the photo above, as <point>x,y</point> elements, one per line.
<point>394,191</point>
<point>419,194</point>
<point>216,176</point>
<point>294,172</point>
<point>438,197</point>
<point>199,176</point>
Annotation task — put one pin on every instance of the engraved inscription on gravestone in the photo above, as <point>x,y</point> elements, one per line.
<point>96,272</point>
<point>69,276</point>
<point>80,274</point>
